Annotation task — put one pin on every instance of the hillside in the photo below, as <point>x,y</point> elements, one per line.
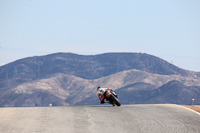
<point>61,89</point>
<point>174,92</point>
<point>71,79</point>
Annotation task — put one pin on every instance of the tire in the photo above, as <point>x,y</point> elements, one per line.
<point>116,101</point>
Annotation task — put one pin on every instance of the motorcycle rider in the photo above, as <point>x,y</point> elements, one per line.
<point>101,93</point>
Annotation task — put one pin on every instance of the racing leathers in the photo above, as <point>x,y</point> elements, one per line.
<point>101,94</point>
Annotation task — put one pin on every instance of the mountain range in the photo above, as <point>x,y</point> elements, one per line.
<point>71,79</point>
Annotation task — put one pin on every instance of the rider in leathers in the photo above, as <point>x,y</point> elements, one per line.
<point>101,93</point>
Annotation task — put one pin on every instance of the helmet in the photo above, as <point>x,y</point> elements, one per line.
<point>98,88</point>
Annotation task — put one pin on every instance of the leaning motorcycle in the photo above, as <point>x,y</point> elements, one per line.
<point>112,98</point>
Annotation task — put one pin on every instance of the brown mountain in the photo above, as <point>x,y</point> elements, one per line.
<point>71,79</point>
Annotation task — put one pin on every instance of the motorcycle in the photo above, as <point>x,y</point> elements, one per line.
<point>112,98</point>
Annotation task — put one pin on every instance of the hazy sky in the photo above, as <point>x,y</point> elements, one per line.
<point>169,29</point>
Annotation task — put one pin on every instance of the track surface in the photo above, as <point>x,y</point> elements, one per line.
<point>97,119</point>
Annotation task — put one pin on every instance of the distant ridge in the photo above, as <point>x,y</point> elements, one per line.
<point>87,66</point>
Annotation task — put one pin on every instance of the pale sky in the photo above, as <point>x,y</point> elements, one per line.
<point>168,29</point>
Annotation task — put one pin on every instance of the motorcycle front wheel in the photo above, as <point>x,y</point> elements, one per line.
<point>116,101</point>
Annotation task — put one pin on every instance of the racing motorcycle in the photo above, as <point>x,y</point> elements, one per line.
<point>112,98</point>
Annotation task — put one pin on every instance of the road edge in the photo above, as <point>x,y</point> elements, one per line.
<point>189,109</point>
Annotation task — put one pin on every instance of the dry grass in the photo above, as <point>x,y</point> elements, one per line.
<point>193,107</point>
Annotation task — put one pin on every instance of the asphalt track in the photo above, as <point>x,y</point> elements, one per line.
<point>100,119</point>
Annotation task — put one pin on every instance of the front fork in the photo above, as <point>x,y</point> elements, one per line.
<point>115,94</point>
